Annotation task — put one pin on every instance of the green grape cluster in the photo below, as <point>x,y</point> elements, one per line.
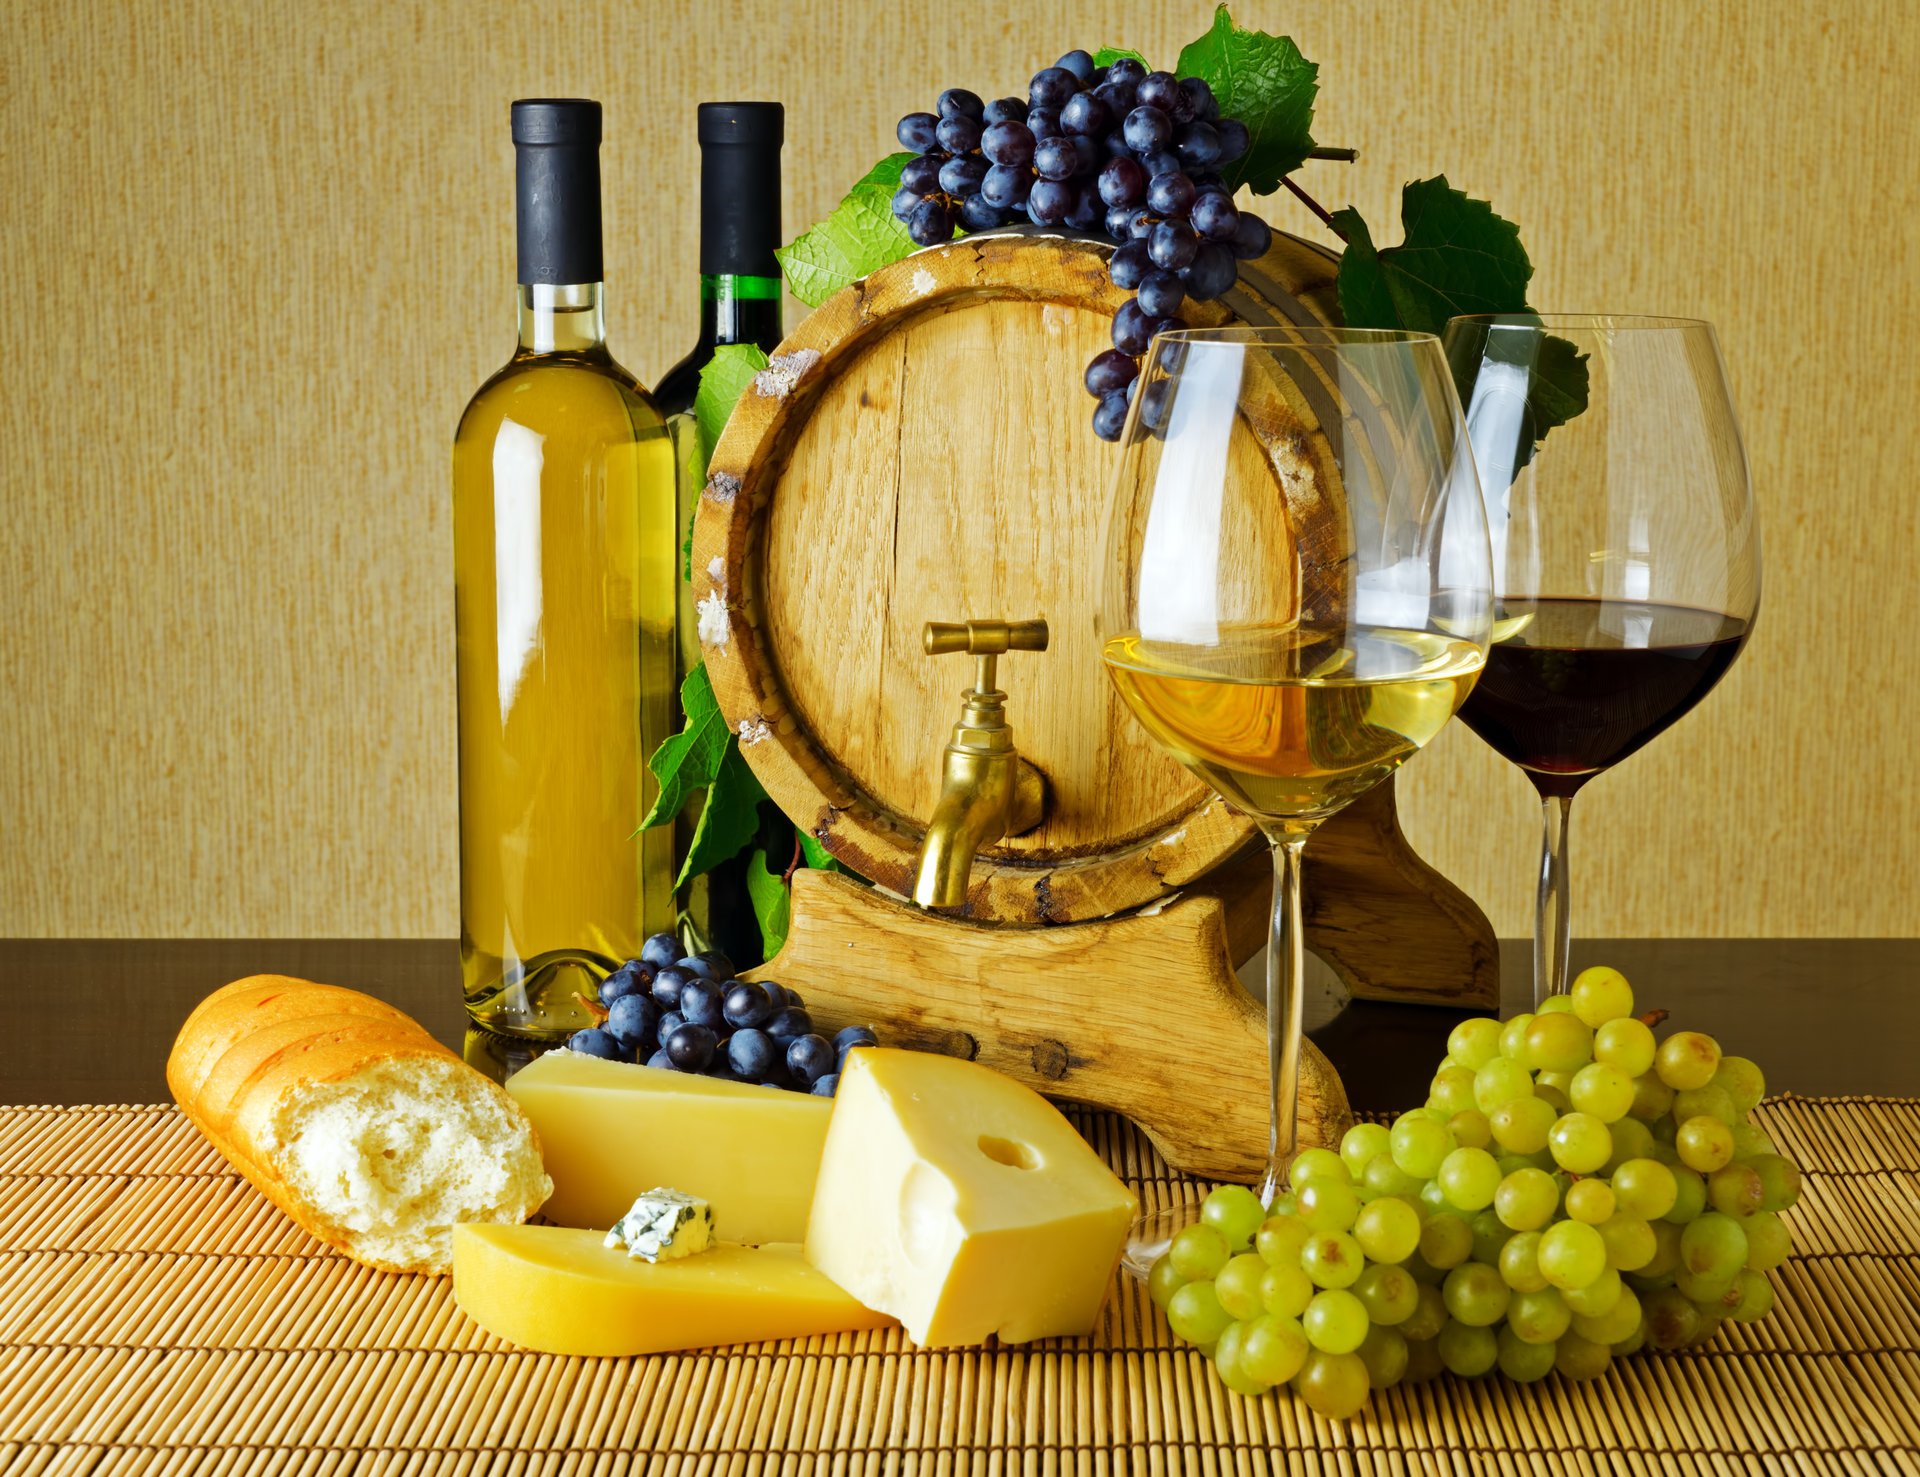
<point>1573,1189</point>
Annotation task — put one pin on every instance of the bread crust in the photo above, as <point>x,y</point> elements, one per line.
<point>250,1044</point>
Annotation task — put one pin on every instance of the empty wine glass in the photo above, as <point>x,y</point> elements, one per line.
<point>1626,555</point>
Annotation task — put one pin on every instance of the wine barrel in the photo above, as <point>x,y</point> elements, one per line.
<point>865,486</point>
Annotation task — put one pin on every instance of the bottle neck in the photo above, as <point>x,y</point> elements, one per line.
<point>738,309</point>
<point>563,318</point>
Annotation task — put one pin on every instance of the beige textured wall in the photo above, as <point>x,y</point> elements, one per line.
<point>258,255</point>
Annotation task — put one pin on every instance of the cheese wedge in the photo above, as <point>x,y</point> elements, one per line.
<point>561,1291</point>
<point>611,1131</point>
<point>962,1203</point>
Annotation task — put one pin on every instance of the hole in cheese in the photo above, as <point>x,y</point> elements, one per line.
<point>1007,1152</point>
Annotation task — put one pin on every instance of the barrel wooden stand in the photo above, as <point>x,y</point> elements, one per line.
<point>918,450</point>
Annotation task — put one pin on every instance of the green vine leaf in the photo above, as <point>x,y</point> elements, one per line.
<point>730,818</point>
<point>858,237</point>
<point>772,903</point>
<point>689,761</point>
<point>1266,83</point>
<point>723,381</point>
<point>1106,56</point>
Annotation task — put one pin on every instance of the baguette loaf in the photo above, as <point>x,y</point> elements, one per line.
<point>346,1114</point>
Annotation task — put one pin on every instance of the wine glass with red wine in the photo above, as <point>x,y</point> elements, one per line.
<point>1626,555</point>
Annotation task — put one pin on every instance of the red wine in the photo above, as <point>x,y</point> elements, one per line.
<point>1584,683</point>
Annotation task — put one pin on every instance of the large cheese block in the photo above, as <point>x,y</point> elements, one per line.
<point>562,1291</point>
<point>962,1203</point>
<point>611,1131</point>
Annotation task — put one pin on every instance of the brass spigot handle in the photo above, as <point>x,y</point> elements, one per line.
<point>986,640</point>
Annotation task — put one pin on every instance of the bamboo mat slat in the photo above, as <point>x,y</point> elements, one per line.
<point>158,1316</point>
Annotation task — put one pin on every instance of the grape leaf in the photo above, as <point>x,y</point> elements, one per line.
<point>1458,256</point>
<point>1268,85</point>
<point>1106,56</point>
<point>689,760</point>
<point>723,380</point>
<point>859,236</point>
<point>730,817</point>
<point>772,903</point>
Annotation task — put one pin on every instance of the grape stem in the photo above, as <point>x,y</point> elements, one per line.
<point>1652,1018</point>
<point>793,866</point>
<point>1312,204</point>
<point>1343,156</point>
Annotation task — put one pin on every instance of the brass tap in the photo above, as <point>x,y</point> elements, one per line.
<point>987,790</point>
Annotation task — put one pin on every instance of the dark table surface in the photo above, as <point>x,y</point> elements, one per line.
<point>94,1018</point>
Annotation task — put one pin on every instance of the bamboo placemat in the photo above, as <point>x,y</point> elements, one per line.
<point>156,1315</point>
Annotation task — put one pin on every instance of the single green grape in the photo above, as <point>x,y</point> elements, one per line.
<point>1551,1089</point>
<point>1513,1037</point>
<point>1423,1361</point>
<point>1645,1187</point>
<point>1597,1296</point>
<point>1388,1293</point>
<point>1451,1089</point>
<point>1163,1281</point>
<point>1520,1262</point>
<point>1578,1358</point>
<point>1579,1143</point>
<point>1433,1196</point>
<point>1633,1343</point>
<point>1336,1321</point>
<point>1687,1059</point>
<point>1605,1092</point>
<point>1741,1080</point>
<point>1779,1181</point>
<point>1195,1314</point>
<point>1286,1290</point>
<point>1328,1205</point>
<point>1469,1178</point>
<point>1626,1045</point>
<point>1235,1212</point>
<point>1590,1200</point>
<point>1226,1362</point>
<point>1467,1349</point>
<point>1769,1243</point>
<point>1384,1177</point>
<point>1360,1144</point>
<point>1279,1240</point>
<point>1281,1204</point>
<point>1384,1352</point>
<point>1522,1362</point>
<point>1419,1146</point>
<point>1666,1250</point>
<point>1526,1199</point>
<point>1470,1129</point>
<point>1652,1098</point>
<point>1317,1164</point>
<point>1756,1297</point>
<point>1601,994</point>
<point>1713,1246</point>
<point>1630,1241</point>
<point>1561,1004</point>
<point>1750,1142</point>
<point>1559,1043</point>
<point>1538,1317</point>
<point>1704,1144</point>
<point>1705,1102</point>
<point>1474,1042</point>
<point>1671,1320</point>
<point>1632,1139</point>
<point>1571,1254</point>
<point>1500,1081</point>
<point>1332,1259</point>
<point>1522,1126</point>
<point>1716,1297</point>
<point>1428,1317</point>
<point>1332,1385</point>
<point>1489,1238</point>
<point>1735,1189</point>
<point>1475,1294</point>
<point>1446,1240</point>
<point>1273,1349</point>
<point>1388,1230</point>
<point>1608,1328</point>
<point>1198,1253</point>
<point>1238,1286</point>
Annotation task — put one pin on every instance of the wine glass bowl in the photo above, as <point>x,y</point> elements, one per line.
<point>1625,550</point>
<point>1298,589</point>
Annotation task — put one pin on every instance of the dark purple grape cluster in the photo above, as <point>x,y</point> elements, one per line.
<point>1117,149</point>
<point>691,1015</point>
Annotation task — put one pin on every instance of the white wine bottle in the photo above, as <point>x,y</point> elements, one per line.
<point>564,591</point>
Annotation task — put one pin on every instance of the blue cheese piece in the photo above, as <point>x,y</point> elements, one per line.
<point>663,1226</point>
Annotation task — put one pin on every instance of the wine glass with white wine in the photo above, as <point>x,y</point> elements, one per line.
<point>1298,590</point>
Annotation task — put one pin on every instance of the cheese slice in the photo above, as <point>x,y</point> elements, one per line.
<point>963,1203</point>
<point>611,1131</point>
<point>561,1291</point>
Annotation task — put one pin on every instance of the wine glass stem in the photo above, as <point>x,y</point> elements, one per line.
<point>1552,936</point>
<point>1286,969</point>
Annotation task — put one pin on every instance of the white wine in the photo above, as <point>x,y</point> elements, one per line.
<point>564,589</point>
<point>1291,723</point>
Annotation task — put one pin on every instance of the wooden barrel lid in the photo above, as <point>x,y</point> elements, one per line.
<point>919,451</point>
